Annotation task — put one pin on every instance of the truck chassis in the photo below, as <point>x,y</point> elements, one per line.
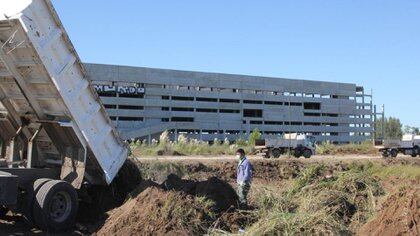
<point>298,145</point>
<point>394,151</point>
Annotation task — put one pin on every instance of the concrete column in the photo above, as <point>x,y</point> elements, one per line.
<point>248,128</point>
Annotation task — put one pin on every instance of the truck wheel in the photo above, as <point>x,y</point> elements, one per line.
<point>394,153</point>
<point>28,209</point>
<point>266,155</point>
<point>385,154</point>
<point>297,153</point>
<point>307,153</point>
<point>276,153</point>
<point>56,206</point>
<point>416,151</point>
<point>39,183</point>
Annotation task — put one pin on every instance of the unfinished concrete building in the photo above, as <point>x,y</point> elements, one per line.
<point>144,102</point>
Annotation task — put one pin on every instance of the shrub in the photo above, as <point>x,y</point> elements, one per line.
<point>256,134</point>
<point>164,138</point>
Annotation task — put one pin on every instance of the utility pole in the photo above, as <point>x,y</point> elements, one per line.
<point>375,136</point>
<point>373,129</point>
<point>290,128</point>
<point>383,122</point>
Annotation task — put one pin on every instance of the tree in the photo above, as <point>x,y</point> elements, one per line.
<point>393,128</point>
<point>256,134</point>
<point>411,130</point>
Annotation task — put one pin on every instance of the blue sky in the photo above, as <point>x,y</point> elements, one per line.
<point>372,43</point>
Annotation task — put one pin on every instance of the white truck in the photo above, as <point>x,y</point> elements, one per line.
<point>409,145</point>
<point>298,144</point>
<point>57,139</point>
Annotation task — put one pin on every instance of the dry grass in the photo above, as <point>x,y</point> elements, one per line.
<point>316,205</point>
<point>365,148</point>
<point>312,203</point>
<point>185,147</point>
<point>409,172</point>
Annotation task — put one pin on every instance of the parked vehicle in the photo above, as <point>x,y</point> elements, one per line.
<point>409,145</point>
<point>57,139</point>
<point>298,144</point>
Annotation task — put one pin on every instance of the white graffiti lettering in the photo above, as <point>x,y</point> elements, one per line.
<point>119,89</point>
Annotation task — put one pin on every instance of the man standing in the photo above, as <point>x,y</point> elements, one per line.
<point>244,177</point>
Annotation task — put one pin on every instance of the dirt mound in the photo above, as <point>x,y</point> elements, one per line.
<point>176,207</point>
<point>262,169</point>
<point>165,152</point>
<point>159,212</point>
<point>400,215</point>
<point>220,192</point>
<point>104,198</point>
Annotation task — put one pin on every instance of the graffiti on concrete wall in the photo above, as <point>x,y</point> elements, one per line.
<point>118,89</point>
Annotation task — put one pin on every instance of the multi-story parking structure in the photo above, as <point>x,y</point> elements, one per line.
<point>144,102</point>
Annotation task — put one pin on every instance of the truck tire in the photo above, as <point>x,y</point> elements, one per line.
<point>276,153</point>
<point>394,153</point>
<point>28,211</point>
<point>266,155</point>
<point>307,153</point>
<point>55,206</point>
<point>416,151</point>
<point>385,154</point>
<point>39,183</point>
<point>297,153</point>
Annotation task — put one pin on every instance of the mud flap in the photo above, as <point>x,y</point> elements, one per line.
<point>8,189</point>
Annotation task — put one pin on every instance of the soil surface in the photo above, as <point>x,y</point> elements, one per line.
<point>399,215</point>
<point>186,179</point>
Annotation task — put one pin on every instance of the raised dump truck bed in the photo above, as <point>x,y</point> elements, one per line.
<point>52,122</point>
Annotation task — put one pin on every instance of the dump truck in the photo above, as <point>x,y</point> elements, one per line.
<point>298,144</point>
<point>56,138</point>
<point>408,145</point>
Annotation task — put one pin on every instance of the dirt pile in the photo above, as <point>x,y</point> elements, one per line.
<point>214,189</point>
<point>176,207</point>
<point>159,212</point>
<point>399,215</point>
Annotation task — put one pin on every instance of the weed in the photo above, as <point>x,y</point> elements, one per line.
<point>314,204</point>
<point>400,171</point>
<point>159,170</point>
<point>365,148</point>
<point>185,146</point>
